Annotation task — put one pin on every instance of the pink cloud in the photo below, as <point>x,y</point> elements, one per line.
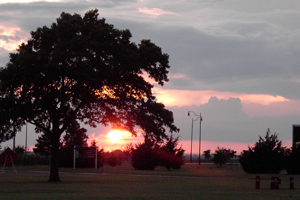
<point>14,36</point>
<point>178,76</point>
<point>155,12</point>
<point>195,98</point>
<point>252,104</point>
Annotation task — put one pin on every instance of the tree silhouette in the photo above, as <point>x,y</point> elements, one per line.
<point>222,156</point>
<point>43,145</point>
<point>152,153</point>
<point>170,155</point>
<point>145,155</point>
<point>82,69</point>
<point>207,155</point>
<point>267,156</point>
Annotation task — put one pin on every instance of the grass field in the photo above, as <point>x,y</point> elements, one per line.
<point>123,182</point>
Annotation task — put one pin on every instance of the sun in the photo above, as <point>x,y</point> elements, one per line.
<point>115,135</point>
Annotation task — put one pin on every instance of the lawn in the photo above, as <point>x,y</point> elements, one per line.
<point>123,182</point>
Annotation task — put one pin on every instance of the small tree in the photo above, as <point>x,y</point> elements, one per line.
<point>151,153</point>
<point>115,158</point>
<point>20,150</point>
<point>43,145</point>
<point>207,155</point>
<point>144,155</point>
<point>267,156</point>
<point>170,155</point>
<point>221,156</point>
<point>128,151</point>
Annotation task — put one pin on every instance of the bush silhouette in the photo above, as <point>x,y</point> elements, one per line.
<point>150,154</point>
<point>267,156</point>
<point>144,156</point>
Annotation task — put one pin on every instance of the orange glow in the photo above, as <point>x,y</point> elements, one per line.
<point>116,135</point>
<point>120,139</point>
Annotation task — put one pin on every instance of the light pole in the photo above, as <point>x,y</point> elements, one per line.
<point>26,141</point>
<point>200,119</point>
<point>191,156</point>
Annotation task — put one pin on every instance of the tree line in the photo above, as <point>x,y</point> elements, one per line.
<point>143,156</point>
<point>267,156</point>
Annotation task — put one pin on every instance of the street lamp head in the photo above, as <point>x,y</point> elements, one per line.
<point>189,113</point>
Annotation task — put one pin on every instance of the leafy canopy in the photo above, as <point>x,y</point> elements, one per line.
<point>267,155</point>
<point>83,69</point>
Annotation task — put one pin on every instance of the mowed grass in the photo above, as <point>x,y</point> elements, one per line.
<point>123,182</point>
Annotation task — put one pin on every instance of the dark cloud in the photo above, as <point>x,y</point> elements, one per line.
<point>241,64</point>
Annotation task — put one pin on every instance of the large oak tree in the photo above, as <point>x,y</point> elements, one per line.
<point>83,69</point>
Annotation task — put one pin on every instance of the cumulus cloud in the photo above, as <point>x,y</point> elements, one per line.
<point>226,121</point>
<point>189,97</point>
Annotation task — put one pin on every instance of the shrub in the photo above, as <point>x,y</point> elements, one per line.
<point>207,155</point>
<point>116,158</point>
<point>267,156</point>
<point>150,154</point>
<point>170,156</point>
<point>144,155</point>
<point>220,157</point>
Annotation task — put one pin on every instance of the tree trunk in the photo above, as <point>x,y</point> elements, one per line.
<point>54,174</point>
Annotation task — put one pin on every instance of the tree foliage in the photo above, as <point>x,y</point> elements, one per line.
<point>170,155</point>
<point>43,145</point>
<point>267,156</point>
<point>82,69</point>
<point>144,155</point>
<point>20,150</point>
<point>207,155</point>
<point>222,156</point>
<point>115,158</point>
<point>151,154</point>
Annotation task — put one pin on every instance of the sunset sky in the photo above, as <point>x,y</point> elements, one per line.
<point>235,61</point>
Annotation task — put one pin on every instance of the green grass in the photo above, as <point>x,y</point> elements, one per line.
<point>123,182</point>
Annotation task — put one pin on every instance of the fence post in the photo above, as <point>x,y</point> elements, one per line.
<point>292,183</point>
<point>257,182</point>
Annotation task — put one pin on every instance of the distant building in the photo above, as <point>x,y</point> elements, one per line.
<point>296,134</point>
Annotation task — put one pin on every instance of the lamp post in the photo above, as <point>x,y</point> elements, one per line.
<point>191,155</point>
<point>26,141</point>
<point>200,119</point>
